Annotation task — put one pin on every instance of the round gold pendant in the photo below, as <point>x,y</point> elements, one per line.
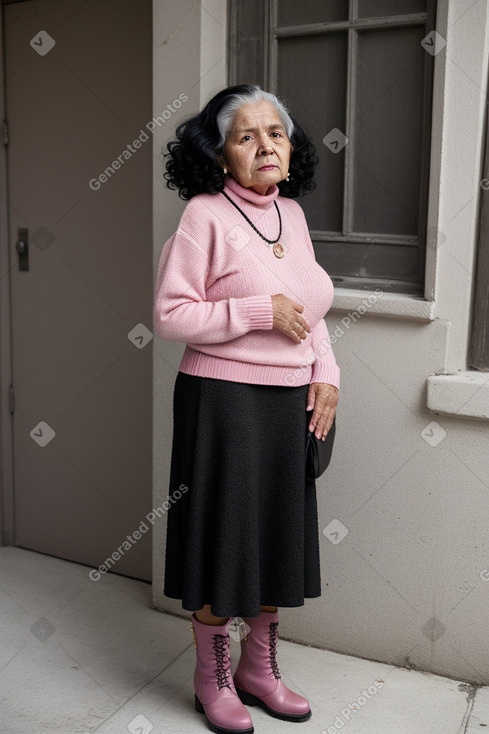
<point>278,250</point>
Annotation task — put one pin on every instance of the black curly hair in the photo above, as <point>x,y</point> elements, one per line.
<point>192,166</point>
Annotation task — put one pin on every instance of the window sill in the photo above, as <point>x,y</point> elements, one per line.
<point>388,304</point>
<point>465,395</point>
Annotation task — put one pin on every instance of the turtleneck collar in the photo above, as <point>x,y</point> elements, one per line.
<point>249,195</point>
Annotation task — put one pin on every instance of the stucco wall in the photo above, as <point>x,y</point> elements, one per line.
<point>189,45</point>
<point>407,583</point>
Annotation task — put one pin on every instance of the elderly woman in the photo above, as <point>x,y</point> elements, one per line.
<point>239,283</point>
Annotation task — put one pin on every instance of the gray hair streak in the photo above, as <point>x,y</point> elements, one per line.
<point>225,117</point>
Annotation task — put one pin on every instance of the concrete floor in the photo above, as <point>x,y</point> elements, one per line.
<point>81,656</point>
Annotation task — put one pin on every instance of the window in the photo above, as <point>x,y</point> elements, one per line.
<point>357,74</point>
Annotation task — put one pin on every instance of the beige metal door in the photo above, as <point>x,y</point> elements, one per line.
<point>78,99</point>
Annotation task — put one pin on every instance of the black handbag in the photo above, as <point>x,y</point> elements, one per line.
<point>318,452</point>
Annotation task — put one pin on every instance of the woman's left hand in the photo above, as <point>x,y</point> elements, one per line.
<point>323,398</point>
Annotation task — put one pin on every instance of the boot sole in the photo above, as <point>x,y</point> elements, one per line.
<point>250,700</point>
<point>218,729</point>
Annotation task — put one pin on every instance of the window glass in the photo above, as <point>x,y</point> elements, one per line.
<point>388,131</point>
<point>298,12</point>
<point>379,8</point>
<point>320,107</point>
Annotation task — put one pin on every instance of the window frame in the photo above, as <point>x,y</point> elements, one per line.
<point>479,348</point>
<point>261,68</point>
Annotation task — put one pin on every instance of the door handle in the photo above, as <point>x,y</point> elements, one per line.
<point>22,247</point>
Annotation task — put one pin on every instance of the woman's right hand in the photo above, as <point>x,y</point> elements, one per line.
<point>287,318</point>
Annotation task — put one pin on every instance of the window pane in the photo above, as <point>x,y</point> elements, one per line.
<point>247,42</point>
<point>388,122</point>
<point>480,333</point>
<point>365,261</point>
<point>319,105</point>
<point>372,8</point>
<point>295,12</point>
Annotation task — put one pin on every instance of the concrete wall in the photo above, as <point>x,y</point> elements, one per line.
<point>189,58</point>
<point>405,581</point>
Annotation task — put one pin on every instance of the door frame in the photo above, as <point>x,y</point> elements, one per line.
<point>7,515</point>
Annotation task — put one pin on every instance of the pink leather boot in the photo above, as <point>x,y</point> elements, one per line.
<point>215,694</point>
<point>257,677</point>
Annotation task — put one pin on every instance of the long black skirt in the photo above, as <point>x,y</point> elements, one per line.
<point>242,524</point>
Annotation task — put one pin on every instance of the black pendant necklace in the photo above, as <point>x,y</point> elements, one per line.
<point>278,249</point>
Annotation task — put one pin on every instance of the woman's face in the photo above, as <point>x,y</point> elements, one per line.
<point>257,150</point>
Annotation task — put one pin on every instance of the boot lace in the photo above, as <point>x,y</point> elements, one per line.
<point>272,647</point>
<point>223,660</point>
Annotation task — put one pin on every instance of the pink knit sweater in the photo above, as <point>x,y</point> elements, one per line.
<point>214,284</point>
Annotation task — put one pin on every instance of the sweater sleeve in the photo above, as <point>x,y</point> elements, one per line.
<point>324,368</point>
<point>180,310</point>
